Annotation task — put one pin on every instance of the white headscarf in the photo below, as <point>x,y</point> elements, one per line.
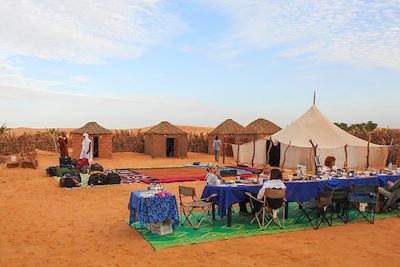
<point>86,146</point>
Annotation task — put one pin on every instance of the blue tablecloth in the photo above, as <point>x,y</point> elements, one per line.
<point>152,209</point>
<point>296,191</point>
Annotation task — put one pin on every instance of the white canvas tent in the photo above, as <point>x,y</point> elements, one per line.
<point>330,139</point>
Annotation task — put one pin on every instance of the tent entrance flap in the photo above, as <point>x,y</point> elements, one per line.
<point>95,146</point>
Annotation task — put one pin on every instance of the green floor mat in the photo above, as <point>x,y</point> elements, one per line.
<point>186,235</point>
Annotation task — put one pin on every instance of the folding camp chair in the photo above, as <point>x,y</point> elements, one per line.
<point>316,210</point>
<point>273,201</point>
<point>340,203</point>
<point>188,209</point>
<point>392,202</point>
<point>364,199</point>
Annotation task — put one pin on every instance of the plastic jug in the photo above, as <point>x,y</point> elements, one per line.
<point>390,166</point>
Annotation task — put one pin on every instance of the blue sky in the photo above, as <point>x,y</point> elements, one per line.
<point>197,62</point>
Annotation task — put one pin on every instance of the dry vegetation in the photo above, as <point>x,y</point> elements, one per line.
<point>13,144</point>
<point>382,137</point>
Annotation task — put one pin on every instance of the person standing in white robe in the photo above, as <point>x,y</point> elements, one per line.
<point>86,152</point>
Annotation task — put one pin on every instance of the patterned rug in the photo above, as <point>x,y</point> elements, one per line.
<point>186,235</point>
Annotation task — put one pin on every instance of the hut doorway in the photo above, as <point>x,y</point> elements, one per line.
<point>95,146</point>
<point>170,144</point>
<point>229,140</point>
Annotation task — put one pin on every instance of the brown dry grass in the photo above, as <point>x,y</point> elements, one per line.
<point>186,128</point>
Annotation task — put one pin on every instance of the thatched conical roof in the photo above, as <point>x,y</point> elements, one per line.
<point>228,127</point>
<point>261,126</point>
<point>92,128</point>
<point>165,127</point>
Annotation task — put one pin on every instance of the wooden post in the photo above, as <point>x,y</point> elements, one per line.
<point>390,152</point>
<point>315,154</point>
<point>223,149</point>
<point>346,161</point>
<point>268,150</point>
<point>237,154</point>
<point>369,141</point>
<point>254,151</point>
<point>284,156</point>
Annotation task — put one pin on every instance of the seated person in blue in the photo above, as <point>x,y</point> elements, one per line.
<point>274,182</point>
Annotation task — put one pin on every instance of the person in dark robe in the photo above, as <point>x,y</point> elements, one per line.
<point>63,144</point>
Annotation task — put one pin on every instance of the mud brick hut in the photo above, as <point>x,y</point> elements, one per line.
<point>165,140</point>
<point>229,132</point>
<point>260,128</point>
<point>101,140</point>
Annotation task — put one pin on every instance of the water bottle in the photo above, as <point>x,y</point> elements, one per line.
<point>390,166</point>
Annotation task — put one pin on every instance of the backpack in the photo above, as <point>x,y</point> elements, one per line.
<point>96,167</point>
<point>113,178</point>
<point>61,171</point>
<point>84,169</point>
<point>75,175</point>
<point>51,171</point>
<point>65,162</point>
<point>68,181</point>
<point>74,162</point>
<point>80,163</point>
<point>98,179</point>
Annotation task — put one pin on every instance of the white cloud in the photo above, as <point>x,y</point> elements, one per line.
<point>78,79</point>
<point>365,33</point>
<point>84,31</point>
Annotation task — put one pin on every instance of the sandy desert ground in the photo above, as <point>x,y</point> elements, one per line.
<point>44,225</point>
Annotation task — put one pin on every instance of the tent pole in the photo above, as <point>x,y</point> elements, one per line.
<point>315,154</point>
<point>237,155</point>
<point>254,151</point>
<point>223,150</point>
<point>389,152</point>
<point>284,156</point>
<point>268,150</point>
<point>369,141</point>
<point>346,161</point>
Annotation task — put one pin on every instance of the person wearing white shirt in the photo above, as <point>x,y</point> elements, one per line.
<point>213,177</point>
<point>275,183</point>
<point>217,148</point>
<point>266,174</point>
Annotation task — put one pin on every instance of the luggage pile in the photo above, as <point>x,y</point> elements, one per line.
<point>70,170</point>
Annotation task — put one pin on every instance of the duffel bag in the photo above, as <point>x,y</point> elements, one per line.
<point>68,182</point>
<point>75,175</point>
<point>51,171</point>
<point>98,179</point>
<point>80,163</point>
<point>96,167</point>
<point>61,171</point>
<point>113,178</point>
<point>65,161</point>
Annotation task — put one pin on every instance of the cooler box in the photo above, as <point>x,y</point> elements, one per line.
<point>160,228</point>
